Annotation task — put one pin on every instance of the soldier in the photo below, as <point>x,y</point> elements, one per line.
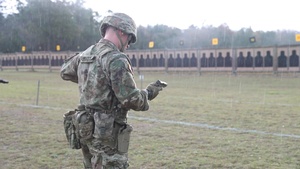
<point>107,92</point>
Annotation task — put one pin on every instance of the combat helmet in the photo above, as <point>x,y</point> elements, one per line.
<point>120,21</point>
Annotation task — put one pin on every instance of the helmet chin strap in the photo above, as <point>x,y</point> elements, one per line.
<point>120,40</point>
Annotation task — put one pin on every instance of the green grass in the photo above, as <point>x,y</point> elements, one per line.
<point>215,120</point>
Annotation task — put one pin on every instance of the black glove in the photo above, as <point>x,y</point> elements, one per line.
<point>154,88</point>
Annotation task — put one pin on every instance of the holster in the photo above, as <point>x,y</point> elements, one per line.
<point>124,138</point>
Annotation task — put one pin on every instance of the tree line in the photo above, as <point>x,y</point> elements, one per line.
<point>42,25</point>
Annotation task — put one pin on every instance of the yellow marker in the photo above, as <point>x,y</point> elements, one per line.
<point>297,37</point>
<point>151,44</point>
<point>215,41</point>
<point>57,47</point>
<point>252,40</point>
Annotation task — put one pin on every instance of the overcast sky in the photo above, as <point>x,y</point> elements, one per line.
<point>258,14</point>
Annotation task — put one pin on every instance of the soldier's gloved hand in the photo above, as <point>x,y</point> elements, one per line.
<point>154,88</point>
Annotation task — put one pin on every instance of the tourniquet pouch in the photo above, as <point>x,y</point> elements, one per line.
<point>124,138</point>
<point>105,128</point>
<point>84,125</point>
<point>70,130</point>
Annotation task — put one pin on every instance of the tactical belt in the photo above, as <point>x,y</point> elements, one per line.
<point>93,110</point>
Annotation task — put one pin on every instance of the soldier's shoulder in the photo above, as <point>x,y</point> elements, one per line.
<point>118,60</point>
<point>119,56</point>
<point>79,54</point>
<point>115,56</point>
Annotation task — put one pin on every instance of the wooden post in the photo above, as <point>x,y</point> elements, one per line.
<point>49,60</point>
<point>216,58</point>
<point>166,60</point>
<point>138,62</point>
<point>199,61</point>
<point>299,60</point>
<point>253,59</point>
<point>16,62</point>
<point>288,59</point>
<point>275,60</point>
<point>1,62</point>
<point>31,62</point>
<point>234,62</point>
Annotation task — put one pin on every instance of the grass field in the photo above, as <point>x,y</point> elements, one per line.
<point>212,121</point>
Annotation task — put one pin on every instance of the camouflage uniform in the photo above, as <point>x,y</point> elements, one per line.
<point>107,89</point>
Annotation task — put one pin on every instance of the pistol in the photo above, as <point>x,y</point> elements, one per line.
<point>160,83</point>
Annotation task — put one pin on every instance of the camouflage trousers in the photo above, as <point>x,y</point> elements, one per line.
<point>99,156</point>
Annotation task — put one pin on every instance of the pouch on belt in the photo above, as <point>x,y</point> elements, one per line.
<point>70,130</point>
<point>84,124</point>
